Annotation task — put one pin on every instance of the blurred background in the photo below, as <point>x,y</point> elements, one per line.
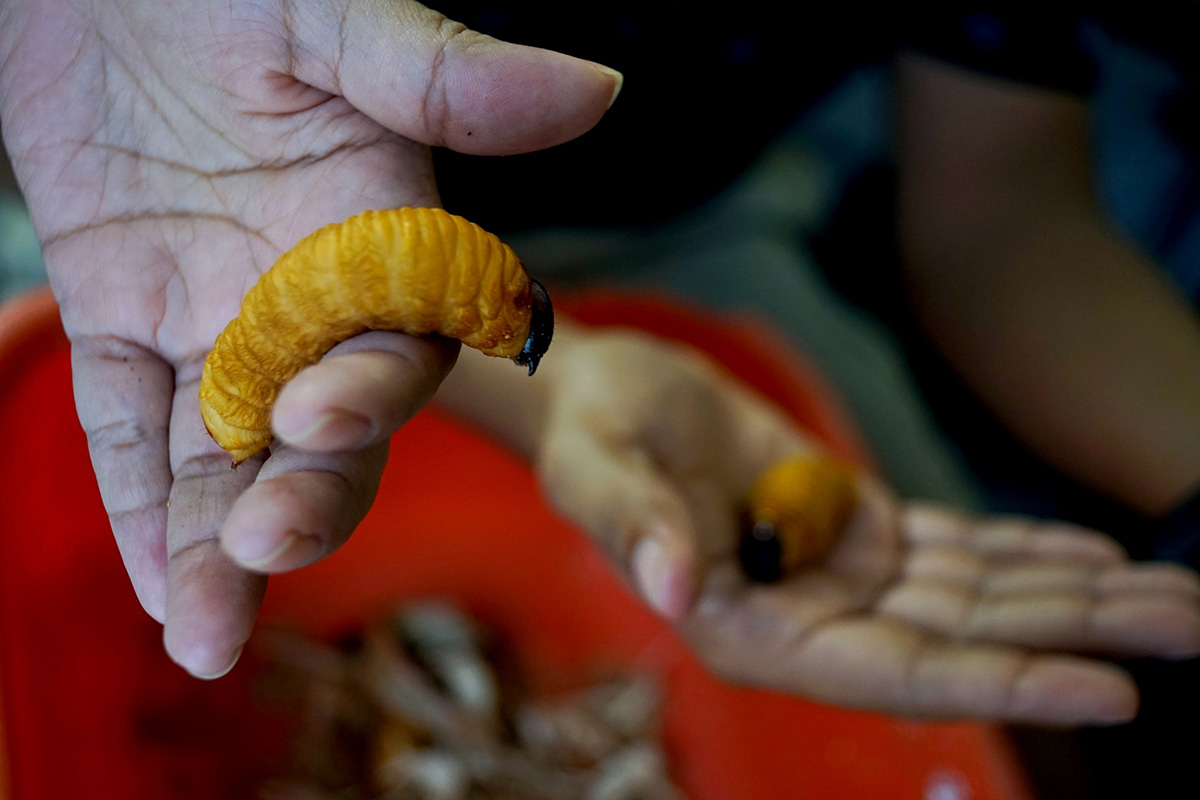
<point>20,253</point>
<point>739,180</point>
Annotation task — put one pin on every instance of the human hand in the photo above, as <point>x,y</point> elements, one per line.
<point>169,151</point>
<point>917,611</point>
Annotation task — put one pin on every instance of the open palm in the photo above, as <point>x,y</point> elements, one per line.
<point>169,152</point>
<point>916,611</point>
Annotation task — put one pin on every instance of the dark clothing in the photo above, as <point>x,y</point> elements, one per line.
<point>1139,64</point>
<point>1042,45</point>
<point>704,93</point>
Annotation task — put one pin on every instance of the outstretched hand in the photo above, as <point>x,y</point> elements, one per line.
<point>169,152</point>
<point>917,610</point>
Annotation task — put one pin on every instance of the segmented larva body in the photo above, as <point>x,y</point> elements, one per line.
<point>797,509</point>
<point>416,270</point>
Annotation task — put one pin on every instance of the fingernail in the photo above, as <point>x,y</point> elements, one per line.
<point>300,549</point>
<point>222,673</point>
<point>338,426</point>
<point>652,571</point>
<point>617,77</point>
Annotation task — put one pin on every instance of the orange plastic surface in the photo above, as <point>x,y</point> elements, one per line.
<point>93,708</point>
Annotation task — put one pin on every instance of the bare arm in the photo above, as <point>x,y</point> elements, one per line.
<point>1068,333</point>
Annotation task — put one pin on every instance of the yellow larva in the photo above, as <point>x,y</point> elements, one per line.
<point>797,509</point>
<point>416,270</point>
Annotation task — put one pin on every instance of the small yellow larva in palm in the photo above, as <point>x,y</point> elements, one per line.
<point>415,270</point>
<point>796,509</point>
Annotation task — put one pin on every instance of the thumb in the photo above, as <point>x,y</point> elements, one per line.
<point>616,494</point>
<point>437,82</point>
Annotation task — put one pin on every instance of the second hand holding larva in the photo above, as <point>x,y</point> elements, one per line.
<point>415,270</point>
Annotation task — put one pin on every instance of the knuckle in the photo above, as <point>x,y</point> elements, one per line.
<point>116,435</point>
<point>451,37</point>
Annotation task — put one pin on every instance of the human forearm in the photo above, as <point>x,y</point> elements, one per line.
<point>1071,335</point>
<point>1080,347</point>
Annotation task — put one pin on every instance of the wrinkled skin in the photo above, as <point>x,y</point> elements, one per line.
<point>169,151</point>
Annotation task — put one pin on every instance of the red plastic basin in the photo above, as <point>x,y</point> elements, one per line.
<point>91,707</point>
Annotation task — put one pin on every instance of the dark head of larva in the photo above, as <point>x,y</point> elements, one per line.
<point>541,328</point>
<point>760,551</point>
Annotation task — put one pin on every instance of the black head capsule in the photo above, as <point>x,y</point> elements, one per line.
<point>541,328</point>
<point>760,552</point>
